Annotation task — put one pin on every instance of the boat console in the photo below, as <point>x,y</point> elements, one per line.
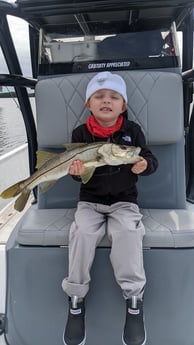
<point>38,247</point>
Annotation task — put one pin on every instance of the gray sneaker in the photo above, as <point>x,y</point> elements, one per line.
<point>134,329</point>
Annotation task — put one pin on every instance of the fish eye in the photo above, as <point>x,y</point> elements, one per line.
<point>123,147</point>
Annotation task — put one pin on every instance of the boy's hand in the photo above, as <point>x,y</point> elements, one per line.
<point>76,168</point>
<point>140,166</point>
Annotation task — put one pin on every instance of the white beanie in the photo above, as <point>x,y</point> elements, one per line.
<point>106,80</point>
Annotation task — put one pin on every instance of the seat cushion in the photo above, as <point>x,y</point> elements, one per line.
<point>164,228</point>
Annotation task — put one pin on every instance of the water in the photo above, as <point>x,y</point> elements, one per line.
<point>12,128</point>
<point>12,135</point>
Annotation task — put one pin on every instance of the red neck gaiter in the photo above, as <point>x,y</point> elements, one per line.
<point>102,132</point>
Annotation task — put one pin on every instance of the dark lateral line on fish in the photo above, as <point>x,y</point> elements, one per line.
<point>86,149</point>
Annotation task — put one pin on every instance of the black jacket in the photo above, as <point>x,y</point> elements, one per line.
<point>111,184</point>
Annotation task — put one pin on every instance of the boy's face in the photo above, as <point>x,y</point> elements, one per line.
<point>106,105</point>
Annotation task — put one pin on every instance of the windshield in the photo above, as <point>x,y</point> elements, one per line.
<point>92,45</point>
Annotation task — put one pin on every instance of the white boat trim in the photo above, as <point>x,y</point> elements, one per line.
<point>13,152</point>
<point>14,161</point>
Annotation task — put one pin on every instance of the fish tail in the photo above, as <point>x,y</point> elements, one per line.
<point>12,191</point>
<point>22,200</point>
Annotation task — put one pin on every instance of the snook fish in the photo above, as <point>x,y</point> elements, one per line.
<point>53,166</point>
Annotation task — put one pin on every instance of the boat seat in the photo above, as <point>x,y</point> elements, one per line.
<point>164,228</point>
<point>136,44</point>
<point>160,114</point>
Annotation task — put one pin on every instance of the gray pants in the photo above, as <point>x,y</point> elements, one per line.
<point>122,222</point>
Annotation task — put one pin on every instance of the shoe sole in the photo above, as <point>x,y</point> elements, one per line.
<point>82,343</point>
<point>144,342</point>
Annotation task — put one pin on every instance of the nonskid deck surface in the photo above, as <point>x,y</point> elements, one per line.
<point>9,218</point>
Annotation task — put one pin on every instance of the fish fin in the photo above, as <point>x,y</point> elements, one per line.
<point>12,191</point>
<point>43,157</point>
<point>66,146</point>
<point>47,185</point>
<point>88,173</point>
<point>71,146</point>
<point>20,203</point>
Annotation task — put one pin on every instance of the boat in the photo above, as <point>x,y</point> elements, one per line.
<point>69,42</point>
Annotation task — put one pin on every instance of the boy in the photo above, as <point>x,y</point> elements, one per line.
<point>108,202</point>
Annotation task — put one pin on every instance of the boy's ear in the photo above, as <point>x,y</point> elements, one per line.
<point>87,104</point>
<point>124,106</point>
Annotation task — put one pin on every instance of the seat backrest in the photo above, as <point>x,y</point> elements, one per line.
<point>154,101</point>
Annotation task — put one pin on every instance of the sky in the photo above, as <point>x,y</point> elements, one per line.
<point>19,28</point>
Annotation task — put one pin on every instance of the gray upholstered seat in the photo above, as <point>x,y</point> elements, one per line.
<point>153,103</point>
<point>164,228</point>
